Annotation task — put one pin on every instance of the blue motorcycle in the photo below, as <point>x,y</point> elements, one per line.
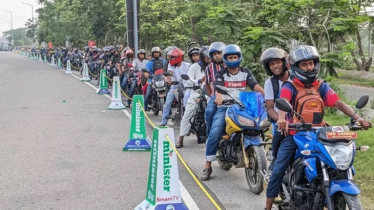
<point>321,174</point>
<point>243,143</point>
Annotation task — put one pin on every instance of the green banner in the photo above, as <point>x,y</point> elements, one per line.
<point>103,80</point>
<point>138,126</point>
<point>152,176</point>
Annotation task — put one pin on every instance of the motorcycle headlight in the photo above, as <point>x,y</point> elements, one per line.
<point>341,155</point>
<point>245,121</point>
<point>160,83</point>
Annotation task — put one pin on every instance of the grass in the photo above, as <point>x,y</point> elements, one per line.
<point>364,161</point>
<point>344,79</point>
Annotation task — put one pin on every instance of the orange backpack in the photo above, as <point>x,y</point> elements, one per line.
<point>309,104</point>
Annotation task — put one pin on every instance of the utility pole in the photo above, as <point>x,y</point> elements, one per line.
<point>11,17</point>
<point>32,17</point>
<point>32,9</point>
<point>136,37</point>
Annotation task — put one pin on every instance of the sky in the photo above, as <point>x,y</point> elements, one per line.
<point>21,13</point>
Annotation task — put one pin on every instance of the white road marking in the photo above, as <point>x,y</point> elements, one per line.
<point>188,200</point>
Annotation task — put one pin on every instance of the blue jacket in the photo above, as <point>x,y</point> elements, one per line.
<point>149,65</point>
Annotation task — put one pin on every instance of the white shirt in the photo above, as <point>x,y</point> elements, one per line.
<point>178,71</point>
<point>269,94</point>
<point>139,65</point>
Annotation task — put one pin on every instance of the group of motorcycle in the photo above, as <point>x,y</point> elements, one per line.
<point>321,174</point>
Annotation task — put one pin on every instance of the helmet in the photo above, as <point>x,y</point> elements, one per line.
<point>167,50</point>
<point>272,54</point>
<point>204,52</point>
<point>129,51</point>
<point>303,53</point>
<point>232,49</point>
<point>141,51</point>
<point>155,49</point>
<point>216,47</point>
<point>191,51</point>
<point>178,56</point>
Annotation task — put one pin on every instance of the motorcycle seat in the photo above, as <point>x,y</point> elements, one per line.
<point>323,136</point>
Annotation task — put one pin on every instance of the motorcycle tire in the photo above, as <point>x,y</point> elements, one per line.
<point>257,164</point>
<point>155,106</point>
<point>161,103</point>
<point>223,163</point>
<point>342,200</point>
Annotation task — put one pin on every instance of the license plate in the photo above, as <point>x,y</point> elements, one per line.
<point>341,135</point>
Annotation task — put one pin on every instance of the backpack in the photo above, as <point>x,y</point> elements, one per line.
<point>309,104</point>
<point>157,64</point>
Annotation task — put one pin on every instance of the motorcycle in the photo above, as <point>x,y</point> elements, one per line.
<point>321,174</point>
<point>243,144</point>
<point>157,99</point>
<point>198,126</point>
<point>177,109</point>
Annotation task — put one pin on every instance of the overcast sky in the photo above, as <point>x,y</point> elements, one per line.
<point>21,13</point>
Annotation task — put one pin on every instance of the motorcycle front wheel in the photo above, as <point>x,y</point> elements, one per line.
<point>257,164</point>
<point>343,201</point>
<point>222,162</point>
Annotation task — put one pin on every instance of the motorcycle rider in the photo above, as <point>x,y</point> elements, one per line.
<point>177,67</point>
<point>138,64</point>
<point>305,64</point>
<point>233,77</point>
<point>215,54</point>
<point>193,54</point>
<point>275,62</point>
<point>197,76</point>
<point>154,64</point>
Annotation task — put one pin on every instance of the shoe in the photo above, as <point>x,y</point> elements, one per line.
<point>206,174</point>
<point>271,166</point>
<point>162,125</point>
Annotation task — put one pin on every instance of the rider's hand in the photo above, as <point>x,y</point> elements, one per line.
<point>218,99</point>
<point>283,126</point>
<point>202,80</point>
<point>365,124</point>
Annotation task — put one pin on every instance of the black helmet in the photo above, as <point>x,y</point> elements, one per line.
<point>272,54</point>
<point>216,47</point>
<point>304,53</point>
<point>191,51</point>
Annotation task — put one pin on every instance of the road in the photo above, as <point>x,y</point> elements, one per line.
<point>353,92</point>
<point>62,148</point>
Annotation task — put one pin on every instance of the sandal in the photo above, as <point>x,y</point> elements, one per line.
<point>179,146</point>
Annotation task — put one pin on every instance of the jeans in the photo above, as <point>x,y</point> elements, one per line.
<point>218,127</point>
<point>211,108</point>
<point>148,95</point>
<point>132,89</point>
<point>277,139</point>
<point>285,155</point>
<point>124,82</point>
<point>167,106</point>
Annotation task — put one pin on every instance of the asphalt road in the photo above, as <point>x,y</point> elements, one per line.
<point>62,149</point>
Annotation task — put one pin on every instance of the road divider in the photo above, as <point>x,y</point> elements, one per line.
<point>103,83</point>
<point>85,76</point>
<point>68,67</point>
<point>116,101</point>
<point>138,138</point>
<point>163,189</point>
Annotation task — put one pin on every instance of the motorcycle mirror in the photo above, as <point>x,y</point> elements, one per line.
<point>185,77</point>
<point>362,101</point>
<point>283,105</point>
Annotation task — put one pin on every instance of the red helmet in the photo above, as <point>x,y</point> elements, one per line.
<point>176,56</point>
